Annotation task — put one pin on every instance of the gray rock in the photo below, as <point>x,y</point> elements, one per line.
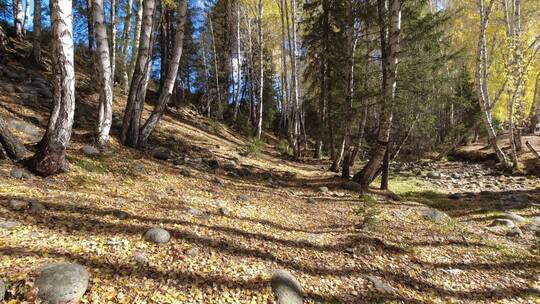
<point>90,150</point>
<point>14,75</point>
<point>224,211</point>
<point>36,207</point>
<point>311,200</point>
<point>195,212</point>
<point>161,153</point>
<point>535,220</point>
<point>157,236</point>
<point>24,127</point>
<point>138,170</point>
<point>323,189</point>
<point>502,222</point>
<point>220,203</point>
<point>218,181</point>
<point>140,258</point>
<point>514,217</point>
<point>243,198</point>
<point>515,232</point>
<point>185,172</point>
<point>352,186</point>
<point>286,289</point>
<point>193,252</point>
<point>381,286</point>
<point>2,290</point>
<point>18,205</point>
<point>9,88</point>
<point>531,227</point>
<point>119,214</point>
<point>434,215</point>
<point>8,225</point>
<point>61,283</point>
<point>433,175</point>
<point>16,173</point>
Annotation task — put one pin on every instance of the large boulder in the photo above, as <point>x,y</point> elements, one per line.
<point>90,150</point>
<point>62,283</point>
<point>8,225</point>
<point>18,205</point>
<point>157,236</point>
<point>286,289</point>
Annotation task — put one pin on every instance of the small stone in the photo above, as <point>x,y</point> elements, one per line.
<point>8,225</point>
<point>502,222</point>
<point>62,283</point>
<point>286,289</point>
<point>161,153</point>
<point>220,203</point>
<point>36,207</point>
<point>381,286</point>
<point>138,170</point>
<point>224,211</point>
<point>195,212</point>
<point>323,189</point>
<point>243,198</point>
<point>311,200</point>
<point>531,227</point>
<point>185,172</point>
<point>515,232</point>
<point>434,215</point>
<point>119,214</point>
<point>433,175</point>
<point>218,181</point>
<point>90,150</point>
<point>514,217</point>
<point>17,173</point>
<point>140,258</point>
<point>352,186</point>
<point>193,252</point>
<point>18,205</point>
<point>157,236</point>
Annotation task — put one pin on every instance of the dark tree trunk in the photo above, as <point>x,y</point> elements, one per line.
<point>11,145</point>
<point>385,169</point>
<point>90,25</point>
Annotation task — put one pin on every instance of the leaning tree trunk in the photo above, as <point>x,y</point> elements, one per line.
<point>170,79</point>
<point>137,91</point>
<point>9,144</point>
<point>36,43</point>
<point>389,67</point>
<point>104,68</point>
<point>50,158</point>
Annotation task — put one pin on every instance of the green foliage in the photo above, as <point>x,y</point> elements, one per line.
<point>253,147</point>
<point>284,148</point>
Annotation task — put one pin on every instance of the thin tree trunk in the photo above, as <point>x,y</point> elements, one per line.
<point>90,25</point>
<point>50,158</point>
<point>238,64</point>
<point>261,67</point>
<point>125,46</point>
<point>206,79</point>
<point>389,67</point>
<point>216,71</point>
<point>36,36</point>
<point>170,79</point>
<point>18,18</point>
<point>482,80</point>
<point>136,40</point>
<point>26,17</point>
<point>105,73</point>
<point>114,8</point>
<point>137,91</point>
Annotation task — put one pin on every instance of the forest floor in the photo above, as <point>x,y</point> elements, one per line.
<point>342,247</point>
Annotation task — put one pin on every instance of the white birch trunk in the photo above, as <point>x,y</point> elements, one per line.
<point>125,46</point>
<point>136,40</point>
<point>261,67</point>
<point>17,18</point>
<point>113,41</point>
<point>104,68</point>
<point>172,74</point>
<point>26,17</point>
<point>50,157</point>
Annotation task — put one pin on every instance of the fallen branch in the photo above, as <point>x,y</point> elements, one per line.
<point>532,149</point>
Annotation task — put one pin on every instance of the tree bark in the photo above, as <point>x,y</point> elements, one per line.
<point>171,76</point>
<point>26,17</point>
<point>18,18</point>
<point>36,36</point>
<point>50,158</point>
<point>137,91</point>
<point>389,50</point>
<point>105,74</point>
<point>10,144</point>
<point>136,40</point>
<point>90,25</point>
<point>261,67</point>
<point>114,8</point>
<point>482,80</point>
<point>238,62</point>
<point>125,47</point>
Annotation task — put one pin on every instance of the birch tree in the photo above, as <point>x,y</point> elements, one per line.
<point>125,47</point>
<point>171,75</point>
<point>17,18</point>
<point>104,68</point>
<point>482,79</point>
<point>26,17</point>
<point>136,40</point>
<point>260,12</point>
<point>50,158</point>
<point>137,92</point>
<point>114,8</point>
